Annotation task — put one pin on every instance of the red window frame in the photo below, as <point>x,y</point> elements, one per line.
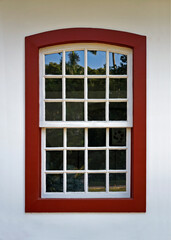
<point>33,200</point>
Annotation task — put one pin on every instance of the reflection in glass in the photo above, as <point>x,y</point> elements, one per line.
<point>117,137</point>
<point>117,64</point>
<point>96,88</point>
<point>118,111</point>
<point>96,160</point>
<point>53,64</point>
<point>96,137</point>
<point>75,63</point>
<point>96,111</point>
<point>96,62</point>
<point>118,88</point>
<point>54,183</point>
<point>75,182</point>
<point>75,160</point>
<point>54,137</point>
<point>54,160</point>
<point>117,182</point>
<point>53,88</point>
<point>74,111</point>
<point>75,137</point>
<point>53,111</point>
<point>117,159</point>
<point>97,182</point>
<point>74,88</point>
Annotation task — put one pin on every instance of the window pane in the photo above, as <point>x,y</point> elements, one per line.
<point>74,88</point>
<point>53,111</point>
<point>75,160</point>
<point>118,88</point>
<point>117,64</point>
<point>96,88</point>
<point>75,63</point>
<point>75,182</point>
<point>96,111</point>
<point>54,137</point>
<point>97,182</point>
<point>117,182</point>
<point>75,137</point>
<point>54,160</point>
<point>53,88</point>
<point>54,183</point>
<point>74,111</point>
<point>117,137</point>
<point>96,62</point>
<point>96,137</point>
<point>117,159</point>
<point>96,160</point>
<point>53,64</point>
<point>118,111</point>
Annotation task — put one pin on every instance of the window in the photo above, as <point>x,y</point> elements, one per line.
<point>85,121</point>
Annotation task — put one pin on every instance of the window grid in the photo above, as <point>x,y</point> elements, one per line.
<point>64,125</point>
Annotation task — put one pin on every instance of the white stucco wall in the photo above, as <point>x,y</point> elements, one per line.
<point>19,18</point>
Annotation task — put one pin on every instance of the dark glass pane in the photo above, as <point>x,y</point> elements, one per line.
<point>117,182</point>
<point>75,160</point>
<point>54,183</point>
<point>74,111</point>
<point>53,88</point>
<point>53,111</point>
<point>54,137</point>
<point>97,182</point>
<point>75,137</point>
<point>117,159</point>
<point>96,62</point>
<point>96,160</point>
<point>74,88</point>
<point>96,88</point>
<point>96,111</point>
<point>117,137</point>
<point>117,64</point>
<point>118,111</point>
<point>75,182</point>
<point>118,88</point>
<point>75,63</point>
<point>53,64</point>
<point>54,160</point>
<point>96,137</point>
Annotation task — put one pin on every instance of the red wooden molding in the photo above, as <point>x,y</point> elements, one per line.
<point>33,201</point>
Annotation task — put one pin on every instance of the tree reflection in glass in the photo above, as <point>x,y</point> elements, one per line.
<point>75,62</point>
<point>74,88</point>
<point>96,62</point>
<point>53,88</point>
<point>118,88</point>
<point>53,64</point>
<point>117,64</point>
<point>96,88</point>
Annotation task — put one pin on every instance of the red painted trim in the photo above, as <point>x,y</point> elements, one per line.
<point>33,201</point>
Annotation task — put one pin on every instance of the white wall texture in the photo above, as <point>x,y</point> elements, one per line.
<point>19,18</point>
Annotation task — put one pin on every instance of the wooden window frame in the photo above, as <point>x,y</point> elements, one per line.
<point>33,200</point>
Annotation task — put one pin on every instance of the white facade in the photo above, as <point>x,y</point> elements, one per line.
<point>22,18</point>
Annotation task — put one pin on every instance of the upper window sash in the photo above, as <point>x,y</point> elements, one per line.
<point>63,76</point>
